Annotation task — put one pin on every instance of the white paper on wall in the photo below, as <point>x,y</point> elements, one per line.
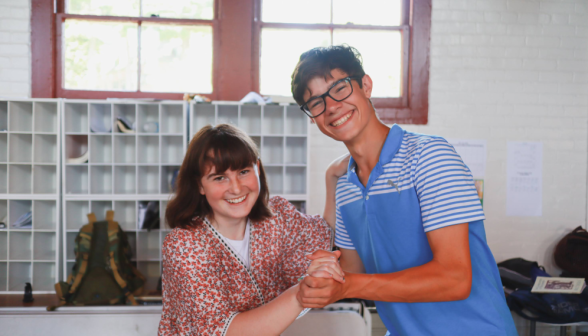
<point>524,186</point>
<point>473,154</point>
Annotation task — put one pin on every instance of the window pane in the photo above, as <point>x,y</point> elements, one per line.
<point>103,7</point>
<point>369,12</point>
<point>280,51</point>
<point>176,58</point>
<point>190,9</point>
<point>301,11</point>
<point>100,55</point>
<point>382,57</point>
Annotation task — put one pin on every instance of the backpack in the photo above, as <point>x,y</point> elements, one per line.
<point>571,253</point>
<point>518,273</point>
<point>549,308</point>
<point>103,273</point>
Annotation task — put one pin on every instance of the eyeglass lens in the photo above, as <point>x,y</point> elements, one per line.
<point>340,91</point>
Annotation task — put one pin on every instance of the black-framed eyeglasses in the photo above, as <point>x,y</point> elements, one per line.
<point>339,91</point>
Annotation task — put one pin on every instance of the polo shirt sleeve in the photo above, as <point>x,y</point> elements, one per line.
<point>341,237</point>
<point>445,187</point>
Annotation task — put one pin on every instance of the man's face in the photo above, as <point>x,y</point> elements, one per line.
<point>344,120</point>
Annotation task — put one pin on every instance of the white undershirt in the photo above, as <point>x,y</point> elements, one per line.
<point>240,247</point>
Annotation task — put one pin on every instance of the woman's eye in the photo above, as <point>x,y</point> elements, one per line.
<point>218,178</point>
<point>245,171</point>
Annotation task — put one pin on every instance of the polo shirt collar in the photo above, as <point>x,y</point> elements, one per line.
<point>390,148</point>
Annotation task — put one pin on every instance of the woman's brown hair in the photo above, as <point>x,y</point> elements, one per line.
<point>224,147</point>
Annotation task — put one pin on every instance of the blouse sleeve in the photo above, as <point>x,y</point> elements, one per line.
<point>302,234</point>
<point>194,301</point>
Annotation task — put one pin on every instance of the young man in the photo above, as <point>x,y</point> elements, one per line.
<point>409,222</point>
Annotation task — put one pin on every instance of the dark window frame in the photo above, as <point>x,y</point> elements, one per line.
<point>236,48</point>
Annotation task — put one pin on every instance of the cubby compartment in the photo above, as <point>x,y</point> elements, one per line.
<point>3,147</point>
<point>148,149</point>
<point>18,209</point>
<point>148,119</point>
<point>101,118</point>
<point>3,179</point>
<point>20,179</point>
<point>124,149</point>
<point>20,246</point>
<point>148,180</point>
<point>44,276</point>
<point>273,150</point>
<point>69,266</point>
<point>172,149</point>
<point>45,179</point>
<point>45,148</point>
<point>45,244</point>
<point>275,179</point>
<point>4,276</point>
<point>21,148</point>
<point>76,179</point>
<point>19,275</point>
<point>76,214</point>
<point>3,119</point>
<point>296,150</point>
<point>203,115</point>
<point>100,180</point>
<point>126,112</point>
<point>20,116</point>
<point>100,149</point>
<point>45,215</point>
<point>163,223</point>
<point>273,119</point>
<point>3,246</point>
<point>299,205</point>
<point>228,114</point>
<point>45,117</point>
<point>168,177</point>
<point>296,121</point>
<point>76,117</point>
<point>4,213</point>
<point>148,245</point>
<point>70,253</point>
<point>251,119</point>
<point>152,271</point>
<point>99,208</point>
<point>76,149</point>
<point>124,214</point>
<point>172,119</point>
<point>295,180</point>
<point>124,180</point>
<point>132,238</point>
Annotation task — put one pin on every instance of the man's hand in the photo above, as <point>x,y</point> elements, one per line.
<point>325,265</point>
<point>319,292</point>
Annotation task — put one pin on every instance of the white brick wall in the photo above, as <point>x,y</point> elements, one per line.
<point>15,48</point>
<point>507,71</point>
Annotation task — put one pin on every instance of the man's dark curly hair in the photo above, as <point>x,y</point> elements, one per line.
<point>319,62</point>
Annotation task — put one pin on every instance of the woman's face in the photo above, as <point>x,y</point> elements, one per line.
<point>231,194</point>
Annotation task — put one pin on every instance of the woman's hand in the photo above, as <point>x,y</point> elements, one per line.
<point>326,265</point>
<point>338,167</point>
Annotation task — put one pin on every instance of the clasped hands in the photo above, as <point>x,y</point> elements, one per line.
<point>325,280</point>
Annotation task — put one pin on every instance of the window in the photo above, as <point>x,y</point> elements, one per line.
<point>226,48</point>
<point>135,47</point>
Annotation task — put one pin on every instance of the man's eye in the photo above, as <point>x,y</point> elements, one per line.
<point>314,104</point>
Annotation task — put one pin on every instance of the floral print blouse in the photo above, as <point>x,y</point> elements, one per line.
<point>205,284</point>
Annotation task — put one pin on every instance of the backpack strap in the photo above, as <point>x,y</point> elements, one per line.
<point>110,215</point>
<point>113,231</point>
<point>92,218</point>
<point>121,282</point>
<point>85,233</point>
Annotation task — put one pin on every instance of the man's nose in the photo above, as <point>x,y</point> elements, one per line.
<point>332,105</point>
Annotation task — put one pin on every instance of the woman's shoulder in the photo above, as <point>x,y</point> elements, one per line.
<point>279,204</point>
<point>181,239</point>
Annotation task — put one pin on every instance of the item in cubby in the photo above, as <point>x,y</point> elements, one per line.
<point>3,222</point>
<point>96,280</point>
<point>124,125</point>
<point>97,125</point>
<point>25,221</point>
<point>148,216</point>
<point>151,127</point>
<point>28,293</point>
<point>81,159</point>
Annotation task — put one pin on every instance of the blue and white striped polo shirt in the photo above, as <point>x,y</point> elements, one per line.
<point>421,184</point>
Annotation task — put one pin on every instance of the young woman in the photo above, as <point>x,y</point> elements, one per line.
<point>232,263</point>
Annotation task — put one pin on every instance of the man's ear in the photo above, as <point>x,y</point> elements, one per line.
<point>367,86</point>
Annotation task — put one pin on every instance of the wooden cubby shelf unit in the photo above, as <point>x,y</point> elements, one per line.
<point>29,188</point>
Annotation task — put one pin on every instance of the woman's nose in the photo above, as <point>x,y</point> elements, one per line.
<point>235,186</point>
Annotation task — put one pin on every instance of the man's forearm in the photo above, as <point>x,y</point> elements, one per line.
<point>330,207</point>
<point>431,282</point>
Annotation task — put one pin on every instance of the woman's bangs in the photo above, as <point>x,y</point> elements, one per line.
<point>230,153</point>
